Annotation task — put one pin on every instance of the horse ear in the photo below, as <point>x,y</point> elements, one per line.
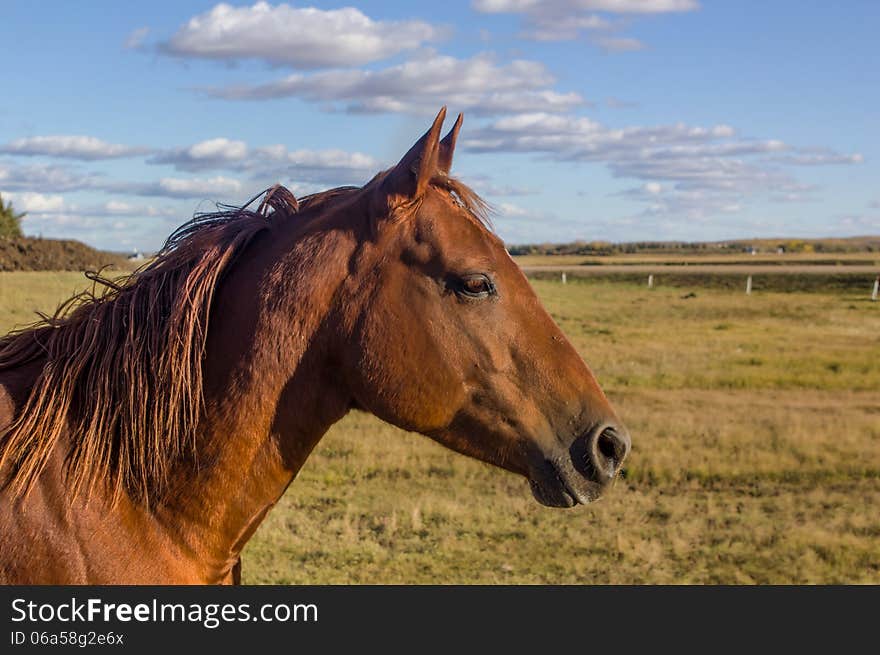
<point>447,147</point>
<point>413,173</point>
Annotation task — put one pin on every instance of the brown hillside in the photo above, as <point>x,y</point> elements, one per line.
<point>27,254</point>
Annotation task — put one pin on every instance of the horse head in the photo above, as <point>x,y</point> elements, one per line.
<point>446,337</point>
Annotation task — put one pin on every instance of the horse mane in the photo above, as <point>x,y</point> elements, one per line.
<point>122,371</point>
<point>122,376</point>
<point>466,198</point>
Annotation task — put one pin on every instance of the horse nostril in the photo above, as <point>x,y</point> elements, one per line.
<point>599,453</point>
<point>612,448</point>
<point>607,445</point>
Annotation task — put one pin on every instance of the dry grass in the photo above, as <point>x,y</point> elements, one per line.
<point>756,427</point>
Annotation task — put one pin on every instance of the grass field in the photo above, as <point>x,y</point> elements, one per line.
<point>756,433</point>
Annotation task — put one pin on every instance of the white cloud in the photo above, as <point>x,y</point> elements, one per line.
<point>792,196</point>
<point>119,208</point>
<point>683,204</point>
<point>503,6</point>
<point>218,148</point>
<point>686,170</point>
<point>571,137</point>
<point>218,187</point>
<point>421,85</point>
<point>565,27</point>
<point>267,161</point>
<point>136,39</point>
<point>303,38</point>
<point>510,210</point>
<point>610,6</point>
<point>173,187</point>
<point>111,224</point>
<point>43,205</point>
<point>617,103</point>
<point>619,44</point>
<point>266,164</point>
<point>70,147</point>
<point>101,231</point>
<point>213,153</point>
<point>303,171</point>
<point>820,157</point>
<point>35,179</point>
<point>563,20</point>
<point>272,163</point>
<point>40,177</point>
<point>31,202</point>
<point>116,206</point>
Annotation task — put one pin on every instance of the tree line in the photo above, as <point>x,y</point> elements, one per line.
<point>10,221</point>
<point>753,246</point>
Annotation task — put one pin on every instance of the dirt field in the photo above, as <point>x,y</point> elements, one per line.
<point>756,432</point>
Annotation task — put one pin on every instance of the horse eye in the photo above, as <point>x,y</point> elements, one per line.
<point>475,286</point>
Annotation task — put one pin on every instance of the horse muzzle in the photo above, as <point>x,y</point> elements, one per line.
<point>582,473</point>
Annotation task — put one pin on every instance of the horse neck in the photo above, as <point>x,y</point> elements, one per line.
<point>269,392</point>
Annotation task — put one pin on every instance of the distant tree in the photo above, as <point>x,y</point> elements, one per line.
<point>10,222</point>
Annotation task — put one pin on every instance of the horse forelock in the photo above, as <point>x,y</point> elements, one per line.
<point>466,198</point>
<point>474,206</point>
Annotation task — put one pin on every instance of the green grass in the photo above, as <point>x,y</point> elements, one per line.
<point>756,432</point>
<point>24,293</point>
<point>836,280</point>
<point>634,337</point>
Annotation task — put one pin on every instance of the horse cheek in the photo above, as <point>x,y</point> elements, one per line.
<point>409,383</point>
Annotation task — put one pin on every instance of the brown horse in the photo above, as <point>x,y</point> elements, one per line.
<point>146,431</point>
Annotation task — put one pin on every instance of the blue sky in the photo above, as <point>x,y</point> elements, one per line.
<point>617,120</point>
